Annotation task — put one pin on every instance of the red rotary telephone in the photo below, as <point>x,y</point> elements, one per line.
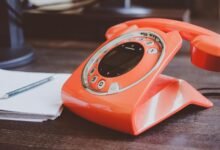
<point>120,86</point>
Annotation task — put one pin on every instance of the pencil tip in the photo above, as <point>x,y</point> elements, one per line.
<point>4,97</point>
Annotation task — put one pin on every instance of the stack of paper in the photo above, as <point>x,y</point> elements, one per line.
<point>38,104</point>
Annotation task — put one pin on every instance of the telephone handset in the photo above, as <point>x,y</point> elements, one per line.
<point>120,86</point>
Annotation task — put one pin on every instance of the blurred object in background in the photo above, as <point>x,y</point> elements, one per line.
<point>57,5</point>
<point>89,19</point>
<point>130,10</point>
<point>13,49</point>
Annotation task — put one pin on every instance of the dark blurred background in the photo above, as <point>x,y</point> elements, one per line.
<point>85,20</point>
<point>90,20</point>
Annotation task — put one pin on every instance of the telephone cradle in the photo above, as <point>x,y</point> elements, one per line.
<point>120,85</point>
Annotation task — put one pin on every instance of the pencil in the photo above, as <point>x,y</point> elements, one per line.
<point>26,88</point>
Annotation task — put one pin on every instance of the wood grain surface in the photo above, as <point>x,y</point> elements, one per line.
<point>191,128</point>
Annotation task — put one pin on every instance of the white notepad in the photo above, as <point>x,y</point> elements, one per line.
<point>38,104</point>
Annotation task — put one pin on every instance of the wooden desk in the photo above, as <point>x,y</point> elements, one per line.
<point>192,128</point>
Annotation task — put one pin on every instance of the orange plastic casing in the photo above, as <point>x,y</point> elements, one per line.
<point>155,98</point>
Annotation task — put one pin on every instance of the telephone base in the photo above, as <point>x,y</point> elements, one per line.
<point>175,96</point>
<point>166,97</point>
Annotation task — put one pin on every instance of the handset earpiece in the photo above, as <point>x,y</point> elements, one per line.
<point>115,30</point>
<point>119,29</point>
<point>205,52</point>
